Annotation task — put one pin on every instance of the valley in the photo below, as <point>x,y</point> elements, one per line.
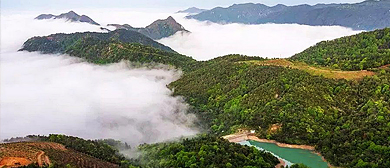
<point>119,98</point>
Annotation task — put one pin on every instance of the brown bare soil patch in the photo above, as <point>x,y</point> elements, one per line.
<point>320,71</point>
<point>46,153</point>
<point>281,164</point>
<point>14,162</point>
<point>274,128</point>
<point>384,66</point>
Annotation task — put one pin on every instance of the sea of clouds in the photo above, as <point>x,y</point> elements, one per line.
<point>43,94</point>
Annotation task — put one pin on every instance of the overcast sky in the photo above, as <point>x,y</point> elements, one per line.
<point>174,4</point>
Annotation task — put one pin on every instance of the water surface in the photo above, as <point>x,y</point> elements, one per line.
<point>291,155</point>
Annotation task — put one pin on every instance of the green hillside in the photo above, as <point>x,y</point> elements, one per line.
<point>102,48</point>
<point>204,151</point>
<point>304,100</point>
<point>362,51</point>
<point>347,121</point>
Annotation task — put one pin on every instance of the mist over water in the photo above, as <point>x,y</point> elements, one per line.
<point>44,94</point>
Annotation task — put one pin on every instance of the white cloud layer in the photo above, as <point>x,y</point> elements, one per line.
<point>43,94</point>
<point>209,40</point>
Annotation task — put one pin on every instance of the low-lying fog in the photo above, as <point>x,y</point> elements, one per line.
<point>42,94</point>
<point>208,40</point>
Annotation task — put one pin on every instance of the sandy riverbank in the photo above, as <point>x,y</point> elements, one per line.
<point>245,137</point>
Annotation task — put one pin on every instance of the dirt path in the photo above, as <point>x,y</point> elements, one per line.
<point>39,158</point>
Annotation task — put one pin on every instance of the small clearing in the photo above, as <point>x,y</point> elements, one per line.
<point>320,71</point>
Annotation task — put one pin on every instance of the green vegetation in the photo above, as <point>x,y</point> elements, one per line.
<point>96,148</point>
<point>362,51</point>
<point>201,151</point>
<point>204,151</point>
<point>103,48</point>
<point>347,121</point>
<point>299,166</point>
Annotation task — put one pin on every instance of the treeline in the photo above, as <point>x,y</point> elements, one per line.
<point>347,121</point>
<point>204,151</point>
<point>362,51</point>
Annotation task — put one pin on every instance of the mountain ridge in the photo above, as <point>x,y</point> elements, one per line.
<point>71,16</point>
<point>192,10</point>
<point>159,29</point>
<point>366,15</point>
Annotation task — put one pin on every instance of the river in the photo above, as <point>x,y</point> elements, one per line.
<point>290,155</point>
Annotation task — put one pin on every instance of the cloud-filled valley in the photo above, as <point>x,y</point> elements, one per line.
<point>209,40</point>
<point>43,94</point>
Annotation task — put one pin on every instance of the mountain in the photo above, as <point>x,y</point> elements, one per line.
<point>64,151</point>
<point>47,154</point>
<point>346,120</point>
<point>367,15</point>
<point>109,47</point>
<point>70,16</point>
<point>305,99</point>
<point>344,114</point>
<point>192,10</point>
<point>67,151</point>
<point>362,51</point>
<point>158,29</point>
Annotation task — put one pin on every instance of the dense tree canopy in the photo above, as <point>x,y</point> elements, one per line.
<point>348,121</point>
<point>204,151</point>
<point>358,52</point>
<point>103,48</point>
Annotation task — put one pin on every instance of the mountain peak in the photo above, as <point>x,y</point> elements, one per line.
<point>170,18</point>
<point>192,10</point>
<point>157,30</point>
<point>72,13</point>
<point>71,16</point>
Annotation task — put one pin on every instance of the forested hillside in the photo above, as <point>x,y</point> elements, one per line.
<point>347,121</point>
<point>204,151</point>
<point>201,151</point>
<point>110,47</point>
<point>362,51</point>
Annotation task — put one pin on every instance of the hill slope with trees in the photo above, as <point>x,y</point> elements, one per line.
<point>347,121</point>
<point>103,48</point>
<point>362,51</point>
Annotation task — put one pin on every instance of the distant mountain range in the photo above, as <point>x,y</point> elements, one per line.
<point>157,30</point>
<point>367,15</point>
<point>71,16</point>
<point>192,10</point>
